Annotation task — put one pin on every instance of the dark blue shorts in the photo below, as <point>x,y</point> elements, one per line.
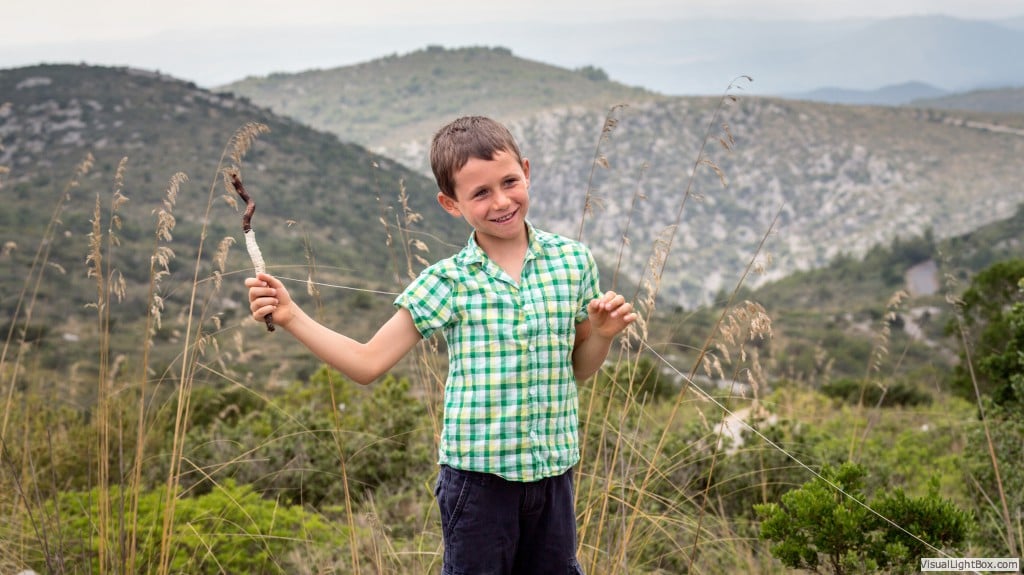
<point>493,526</point>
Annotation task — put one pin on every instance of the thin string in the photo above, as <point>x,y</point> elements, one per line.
<point>707,396</point>
<point>336,286</point>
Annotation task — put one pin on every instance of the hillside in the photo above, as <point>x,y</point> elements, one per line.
<point>389,101</point>
<point>867,183</point>
<point>996,100</point>
<point>836,311</point>
<point>843,178</point>
<point>317,197</point>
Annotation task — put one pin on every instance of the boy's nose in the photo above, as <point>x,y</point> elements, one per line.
<point>501,200</point>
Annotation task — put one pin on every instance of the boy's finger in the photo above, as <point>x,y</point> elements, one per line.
<point>269,279</point>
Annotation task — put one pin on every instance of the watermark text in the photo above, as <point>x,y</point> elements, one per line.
<point>990,564</point>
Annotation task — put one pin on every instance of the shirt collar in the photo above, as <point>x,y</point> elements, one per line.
<point>474,254</point>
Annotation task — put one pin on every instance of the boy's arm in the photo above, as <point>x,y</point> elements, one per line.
<point>362,362</point>
<point>607,316</point>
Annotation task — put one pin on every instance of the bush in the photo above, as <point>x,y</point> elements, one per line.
<point>1006,428</point>
<point>895,394</point>
<point>302,449</point>
<point>993,322</point>
<point>230,530</point>
<point>828,523</point>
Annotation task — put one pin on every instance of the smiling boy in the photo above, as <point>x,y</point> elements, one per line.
<point>524,320</point>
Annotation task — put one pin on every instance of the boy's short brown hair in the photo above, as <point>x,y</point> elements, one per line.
<point>467,137</point>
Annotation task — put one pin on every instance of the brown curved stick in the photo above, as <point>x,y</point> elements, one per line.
<point>250,236</point>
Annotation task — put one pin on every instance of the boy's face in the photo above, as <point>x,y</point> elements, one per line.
<point>493,196</point>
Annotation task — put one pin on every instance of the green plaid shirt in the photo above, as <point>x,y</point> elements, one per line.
<point>510,405</point>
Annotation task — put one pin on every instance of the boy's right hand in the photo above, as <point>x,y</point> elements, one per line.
<point>268,295</point>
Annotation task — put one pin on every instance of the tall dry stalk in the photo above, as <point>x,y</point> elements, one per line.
<point>961,331</point>
<point>109,283</point>
<point>336,429</point>
<point>159,268</point>
<point>610,121</point>
<point>427,365</point>
<point>744,324</point>
<point>651,278</point>
<point>26,303</point>
<point>195,341</point>
<point>879,353</point>
<point>638,195</point>
<point>616,452</point>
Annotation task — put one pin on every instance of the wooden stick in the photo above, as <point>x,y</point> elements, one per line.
<point>250,236</point>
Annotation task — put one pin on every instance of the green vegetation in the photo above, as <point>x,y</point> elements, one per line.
<point>829,523</point>
<point>992,326</point>
<point>149,426</point>
<point>232,529</point>
<point>321,204</point>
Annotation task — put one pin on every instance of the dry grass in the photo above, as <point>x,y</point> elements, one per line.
<point>644,500</point>
<point>1013,533</point>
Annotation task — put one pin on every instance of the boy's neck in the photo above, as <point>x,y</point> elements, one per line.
<point>508,254</point>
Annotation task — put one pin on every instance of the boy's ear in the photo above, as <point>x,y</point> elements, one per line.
<point>449,205</point>
<point>526,170</point>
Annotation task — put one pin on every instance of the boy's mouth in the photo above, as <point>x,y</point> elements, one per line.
<point>506,217</point>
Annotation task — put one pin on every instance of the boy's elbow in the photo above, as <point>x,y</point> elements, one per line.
<point>361,371</point>
<point>367,375</point>
<point>367,366</point>
<point>371,368</point>
<point>366,378</point>
<point>582,373</point>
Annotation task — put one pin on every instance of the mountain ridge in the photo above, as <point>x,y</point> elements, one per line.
<point>841,178</point>
<point>892,95</point>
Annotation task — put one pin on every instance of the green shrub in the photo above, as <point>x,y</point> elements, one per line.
<point>302,449</point>
<point>829,524</point>
<point>229,530</point>
<point>895,394</point>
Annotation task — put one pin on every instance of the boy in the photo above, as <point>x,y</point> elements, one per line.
<point>524,320</point>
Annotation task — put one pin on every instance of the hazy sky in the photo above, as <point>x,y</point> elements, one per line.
<point>213,42</point>
<point>49,21</point>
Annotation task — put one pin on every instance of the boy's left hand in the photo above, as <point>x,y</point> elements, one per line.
<point>610,314</point>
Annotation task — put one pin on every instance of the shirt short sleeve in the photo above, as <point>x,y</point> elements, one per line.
<point>428,299</point>
<point>590,284</point>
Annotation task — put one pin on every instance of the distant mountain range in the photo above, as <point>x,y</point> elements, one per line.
<point>662,54</point>
<point>885,96</point>
<point>786,57</point>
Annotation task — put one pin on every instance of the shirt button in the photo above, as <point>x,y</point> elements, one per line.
<point>532,347</point>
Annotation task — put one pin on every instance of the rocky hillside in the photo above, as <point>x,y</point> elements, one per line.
<point>319,200</point>
<point>840,178</point>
